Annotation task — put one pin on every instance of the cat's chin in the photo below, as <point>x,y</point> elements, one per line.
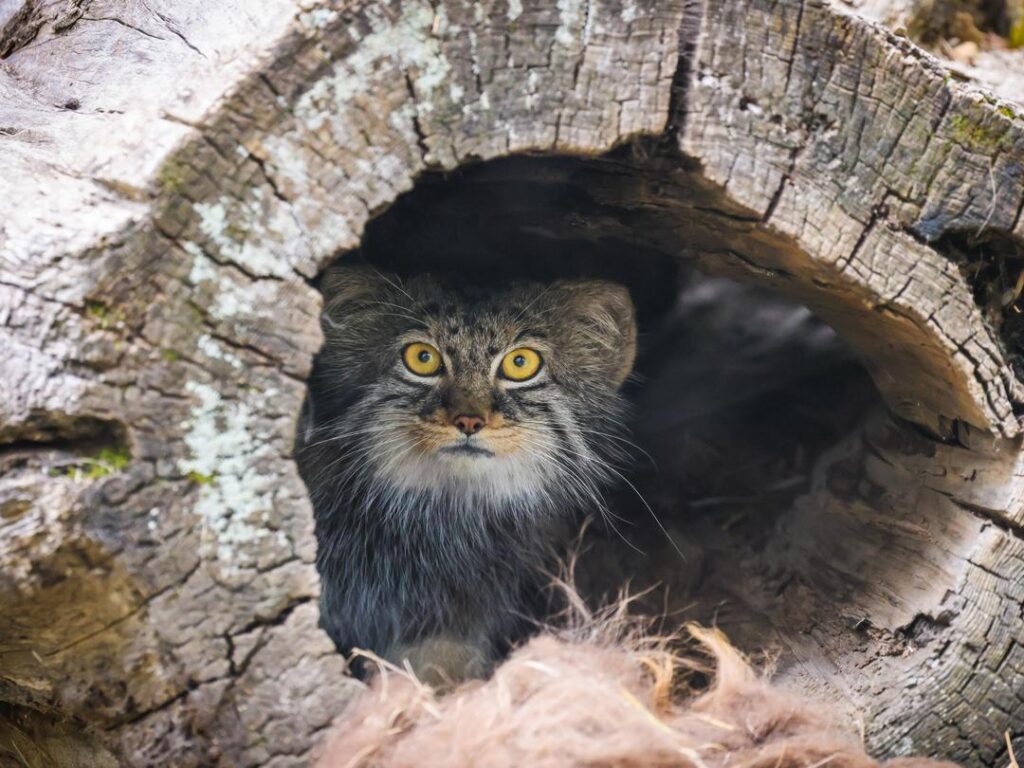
<point>467,470</point>
<point>465,450</point>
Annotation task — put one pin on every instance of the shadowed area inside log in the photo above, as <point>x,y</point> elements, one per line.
<point>737,391</point>
<point>993,265</point>
<point>794,481</point>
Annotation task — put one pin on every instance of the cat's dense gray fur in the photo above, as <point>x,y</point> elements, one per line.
<point>435,553</point>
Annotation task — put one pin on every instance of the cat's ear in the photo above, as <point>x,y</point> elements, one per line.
<point>345,285</point>
<point>601,322</point>
<point>354,297</point>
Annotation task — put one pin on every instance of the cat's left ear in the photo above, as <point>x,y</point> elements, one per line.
<point>601,323</point>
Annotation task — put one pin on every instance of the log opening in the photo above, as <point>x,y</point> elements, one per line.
<point>802,503</point>
<point>738,390</point>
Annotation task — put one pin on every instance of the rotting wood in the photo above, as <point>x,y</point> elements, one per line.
<point>174,176</point>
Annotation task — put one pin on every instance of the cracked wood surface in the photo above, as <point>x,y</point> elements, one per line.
<point>900,556</point>
<point>174,176</point>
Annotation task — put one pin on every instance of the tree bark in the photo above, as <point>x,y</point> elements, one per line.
<point>176,175</point>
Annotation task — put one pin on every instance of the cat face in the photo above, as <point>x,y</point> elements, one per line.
<point>501,397</point>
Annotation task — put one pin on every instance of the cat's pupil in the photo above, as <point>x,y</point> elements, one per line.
<point>424,356</point>
<point>519,361</point>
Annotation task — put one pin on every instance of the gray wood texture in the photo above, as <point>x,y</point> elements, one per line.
<point>173,176</point>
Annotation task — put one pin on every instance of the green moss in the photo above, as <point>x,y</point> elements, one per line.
<point>95,472</point>
<point>973,134</point>
<point>170,355</point>
<point>107,461</point>
<point>236,232</point>
<point>97,310</point>
<point>198,478</point>
<point>172,177</point>
<point>103,315</point>
<point>1016,36</point>
<point>118,458</point>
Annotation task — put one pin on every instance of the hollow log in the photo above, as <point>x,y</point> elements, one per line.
<point>174,177</point>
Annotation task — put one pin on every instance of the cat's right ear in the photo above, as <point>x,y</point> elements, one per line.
<point>347,285</point>
<point>353,296</point>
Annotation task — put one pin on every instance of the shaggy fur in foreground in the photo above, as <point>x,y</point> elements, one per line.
<point>560,702</point>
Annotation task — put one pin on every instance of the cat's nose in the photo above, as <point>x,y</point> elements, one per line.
<point>468,425</point>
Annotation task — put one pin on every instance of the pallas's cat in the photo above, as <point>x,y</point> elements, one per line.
<point>453,437</point>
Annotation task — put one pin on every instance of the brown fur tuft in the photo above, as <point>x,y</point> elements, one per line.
<point>604,695</point>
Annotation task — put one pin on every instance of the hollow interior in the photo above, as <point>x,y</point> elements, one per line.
<point>993,265</point>
<point>800,487</point>
<point>738,391</point>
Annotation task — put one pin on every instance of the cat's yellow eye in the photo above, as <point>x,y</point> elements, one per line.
<point>521,364</point>
<point>421,358</point>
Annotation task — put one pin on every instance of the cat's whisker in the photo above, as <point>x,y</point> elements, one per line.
<point>567,469</point>
<point>359,451</point>
<point>605,466</point>
<point>395,283</point>
<point>588,455</point>
<point>657,521</point>
<point>602,509</point>
<point>344,436</point>
<point>400,311</point>
<point>418,323</point>
<point>618,438</point>
<point>537,298</point>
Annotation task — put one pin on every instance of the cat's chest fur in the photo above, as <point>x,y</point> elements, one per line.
<point>451,441</point>
<point>389,583</point>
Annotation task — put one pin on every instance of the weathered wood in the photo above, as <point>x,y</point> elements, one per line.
<point>174,177</point>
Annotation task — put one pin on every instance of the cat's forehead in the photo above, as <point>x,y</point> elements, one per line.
<point>470,312</point>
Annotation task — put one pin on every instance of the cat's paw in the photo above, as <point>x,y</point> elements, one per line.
<point>443,662</point>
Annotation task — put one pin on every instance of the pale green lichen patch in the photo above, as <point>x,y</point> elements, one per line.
<point>173,177</point>
<point>115,459</point>
<point>571,22</point>
<point>216,350</point>
<point>232,296</point>
<point>409,41</point>
<point>228,448</point>
<point>252,233</point>
<point>317,18</point>
<point>1016,36</point>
